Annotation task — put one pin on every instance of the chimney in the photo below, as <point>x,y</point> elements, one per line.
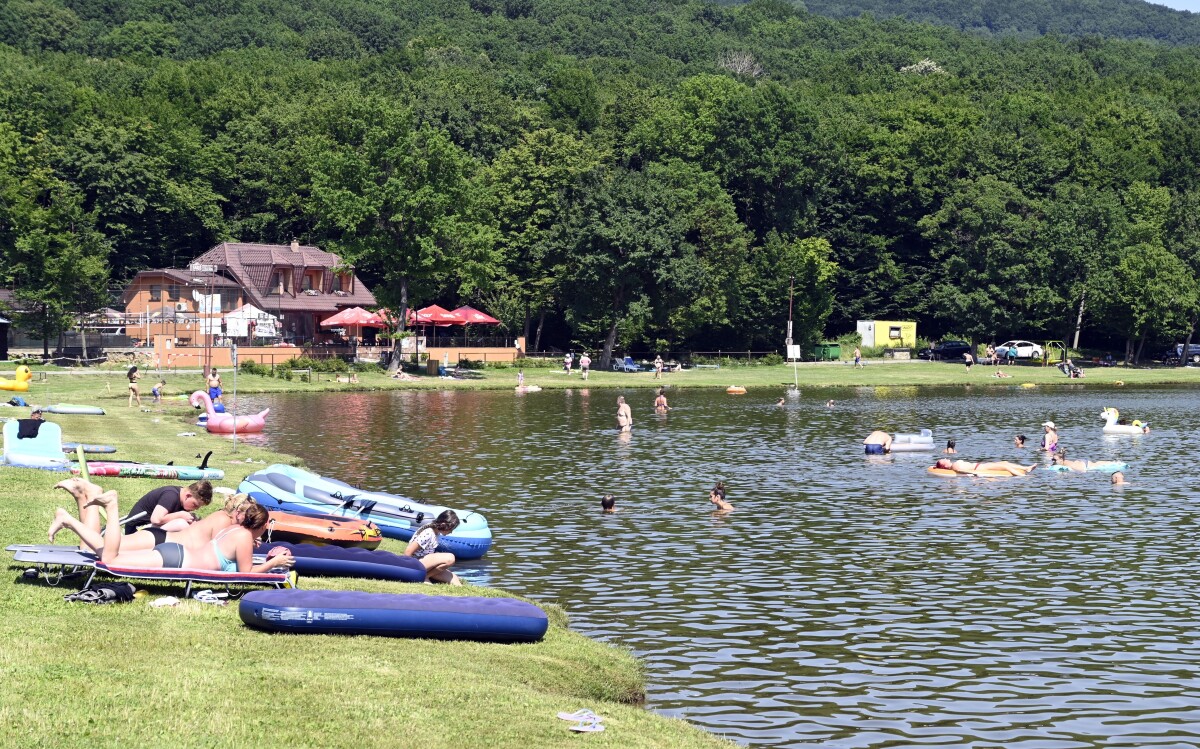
<point>295,245</point>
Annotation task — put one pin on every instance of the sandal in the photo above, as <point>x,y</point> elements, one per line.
<point>578,715</point>
<point>588,726</point>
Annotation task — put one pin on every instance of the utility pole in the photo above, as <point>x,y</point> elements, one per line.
<point>791,297</point>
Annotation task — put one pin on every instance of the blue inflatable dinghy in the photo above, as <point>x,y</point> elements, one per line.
<point>291,489</point>
<point>334,561</point>
<point>339,612</point>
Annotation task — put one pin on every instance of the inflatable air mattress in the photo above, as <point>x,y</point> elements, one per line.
<point>393,615</point>
<point>982,472</point>
<point>290,489</point>
<point>323,529</point>
<point>69,447</point>
<point>149,470</point>
<point>334,561</point>
<point>913,443</point>
<point>71,408</point>
<point>1108,466</point>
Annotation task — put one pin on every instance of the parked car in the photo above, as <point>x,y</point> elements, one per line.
<point>1172,355</point>
<point>1025,350</point>
<point>945,351</point>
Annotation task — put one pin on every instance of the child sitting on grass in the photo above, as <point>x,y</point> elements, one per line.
<point>424,545</point>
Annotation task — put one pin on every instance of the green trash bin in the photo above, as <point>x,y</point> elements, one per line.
<point>827,351</point>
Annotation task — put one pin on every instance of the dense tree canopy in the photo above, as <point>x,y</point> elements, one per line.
<point>643,174</point>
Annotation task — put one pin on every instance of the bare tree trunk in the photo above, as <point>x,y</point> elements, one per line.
<point>1079,319</point>
<point>1129,351</point>
<point>1187,345</point>
<point>610,341</point>
<point>83,336</point>
<point>397,343</point>
<point>537,338</point>
<point>1137,358</point>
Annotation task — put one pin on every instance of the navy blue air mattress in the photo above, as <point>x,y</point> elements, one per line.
<point>393,615</point>
<point>335,561</point>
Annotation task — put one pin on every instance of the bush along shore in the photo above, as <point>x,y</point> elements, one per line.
<point>193,675</point>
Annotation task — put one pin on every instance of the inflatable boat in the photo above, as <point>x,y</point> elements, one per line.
<point>289,489</point>
<point>348,612</point>
<point>322,529</point>
<point>913,443</point>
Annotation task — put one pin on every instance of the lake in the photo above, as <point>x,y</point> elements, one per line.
<point>850,600</point>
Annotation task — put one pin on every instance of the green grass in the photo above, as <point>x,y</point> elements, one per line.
<point>106,387</point>
<point>193,675</point>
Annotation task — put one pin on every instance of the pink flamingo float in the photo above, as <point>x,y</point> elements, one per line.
<point>224,423</point>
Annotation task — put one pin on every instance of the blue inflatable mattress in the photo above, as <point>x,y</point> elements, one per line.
<point>393,615</point>
<point>335,561</point>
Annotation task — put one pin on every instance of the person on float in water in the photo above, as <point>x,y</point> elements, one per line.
<point>967,467</point>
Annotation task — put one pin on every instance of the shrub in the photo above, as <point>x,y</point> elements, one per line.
<point>249,366</point>
<point>772,359</point>
<point>366,367</point>
<point>499,364</point>
<point>331,366</point>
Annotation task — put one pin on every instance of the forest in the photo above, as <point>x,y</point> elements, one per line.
<point>613,174</point>
<point>1120,19</point>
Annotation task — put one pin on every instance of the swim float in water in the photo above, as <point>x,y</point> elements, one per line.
<point>985,473</point>
<point>219,423</point>
<point>1111,415</point>
<point>913,443</point>
<point>735,390</point>
<point>20,381</point>
<point>1108,466</point>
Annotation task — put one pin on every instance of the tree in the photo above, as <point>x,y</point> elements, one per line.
<point>657,249</point>
<point>403,205</point>
<point>774,268</point>
<point>988,274</point>
<point>58,261</point>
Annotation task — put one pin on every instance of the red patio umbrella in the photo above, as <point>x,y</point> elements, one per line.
<point>354,318</point>
<point>440,316</point>
<point>475,317</point>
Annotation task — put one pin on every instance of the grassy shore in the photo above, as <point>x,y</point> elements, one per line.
<point>193,675</point>
<point>111,385</point>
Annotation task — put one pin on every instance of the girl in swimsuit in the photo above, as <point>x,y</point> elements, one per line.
<point>423,546</point>
<point>134,375</point>
<point>717,497</point>
<point>231,550</point>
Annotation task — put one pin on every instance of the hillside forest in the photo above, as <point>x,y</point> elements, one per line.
<point>616,174</point>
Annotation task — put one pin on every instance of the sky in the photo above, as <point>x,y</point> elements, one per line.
<point>1192,5</point>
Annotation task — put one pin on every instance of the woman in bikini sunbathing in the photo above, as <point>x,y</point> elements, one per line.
<point>967,467</point>
<point>229,550</point>
<point>198,532</point>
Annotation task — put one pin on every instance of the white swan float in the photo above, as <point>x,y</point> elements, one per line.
<point>1110,416</point>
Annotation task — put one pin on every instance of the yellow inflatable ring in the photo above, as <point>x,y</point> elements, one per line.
<point>735,390</point>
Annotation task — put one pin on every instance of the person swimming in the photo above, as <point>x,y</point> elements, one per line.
<point>1019,441</point>
<point>877,443</point>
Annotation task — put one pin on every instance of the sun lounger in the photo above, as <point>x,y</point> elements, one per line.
<point>57,563</point>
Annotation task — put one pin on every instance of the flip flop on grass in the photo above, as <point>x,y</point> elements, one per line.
<point>579,715</point>
<point>588,726</point>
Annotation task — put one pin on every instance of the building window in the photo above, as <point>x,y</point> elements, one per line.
<point>279,282</point>
<point>173,292</point>
<point>155,292</point>
<point>229,299</point>
<point>310,281</point>
<point>342,282</point>
<point>894,332</point>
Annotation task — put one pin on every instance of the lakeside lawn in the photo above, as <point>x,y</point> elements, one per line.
<point>193,675</point>
<point>110,385</point>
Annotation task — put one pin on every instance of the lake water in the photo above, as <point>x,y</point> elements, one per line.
<point>850,601</point>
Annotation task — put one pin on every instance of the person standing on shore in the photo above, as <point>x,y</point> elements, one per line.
<point>214,385</point>
<point>624,415</point>
<point>585,365</point>
<point>568,360</point>
<point>658,367</point>
<point>858,357</point>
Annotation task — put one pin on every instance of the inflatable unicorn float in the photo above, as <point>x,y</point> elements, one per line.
<point>225,423</point>
<point>1111,415</point>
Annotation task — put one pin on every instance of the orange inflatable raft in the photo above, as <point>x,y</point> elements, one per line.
<point>330,530</point>
<point>735,390</point>
<point>982,472</point>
